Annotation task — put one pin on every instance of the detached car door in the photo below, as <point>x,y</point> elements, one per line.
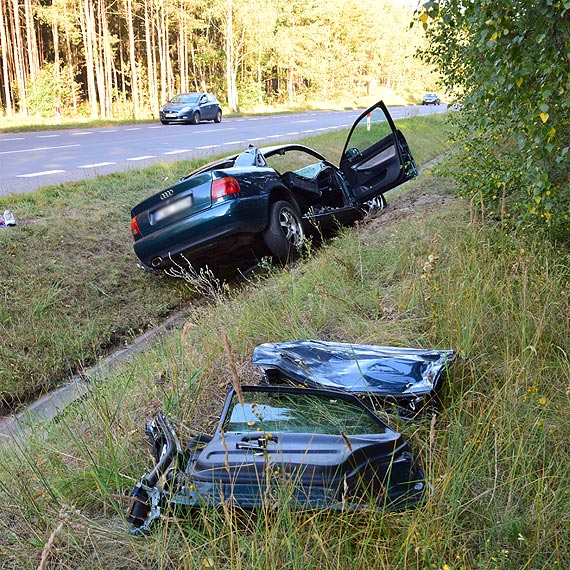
<point>376,156</point>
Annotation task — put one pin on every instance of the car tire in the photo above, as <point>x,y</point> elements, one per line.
<point>195,118</point>
<point>164,122</point>
<point>218,117</point>
<point>284,234</point>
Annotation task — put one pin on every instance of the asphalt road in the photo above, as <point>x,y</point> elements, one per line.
<point>30,160</point>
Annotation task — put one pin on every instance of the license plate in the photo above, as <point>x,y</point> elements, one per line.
<point>171,115</point>
<point>171,209</point>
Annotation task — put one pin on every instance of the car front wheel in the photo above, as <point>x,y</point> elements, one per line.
<point>284,235</point>
<point>218,117</point>
<point>195,118</point>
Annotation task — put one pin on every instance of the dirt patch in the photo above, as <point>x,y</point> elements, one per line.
<point>407,205</point>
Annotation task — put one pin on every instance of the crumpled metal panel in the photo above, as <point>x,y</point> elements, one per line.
<point>357,368</point>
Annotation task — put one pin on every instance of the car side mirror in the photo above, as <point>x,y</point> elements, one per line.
<point>351,152</point>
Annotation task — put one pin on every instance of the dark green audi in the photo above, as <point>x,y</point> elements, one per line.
<point>268,199</point>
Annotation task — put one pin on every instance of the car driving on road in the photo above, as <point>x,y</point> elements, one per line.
<point>431,99</point>
<point>191,108</point>
<point>270,198</point>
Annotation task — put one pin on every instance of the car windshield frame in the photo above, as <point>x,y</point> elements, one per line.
<point>186,98</point>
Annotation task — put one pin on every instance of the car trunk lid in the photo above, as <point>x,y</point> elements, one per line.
<point>186,198</point>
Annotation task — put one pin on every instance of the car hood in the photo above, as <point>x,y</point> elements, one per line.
<point>357,368</point>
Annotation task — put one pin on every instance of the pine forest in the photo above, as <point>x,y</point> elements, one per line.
<point>124,58</point>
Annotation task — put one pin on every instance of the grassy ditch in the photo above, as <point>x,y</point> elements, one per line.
<point>423,273</point>
<point>69,286</point>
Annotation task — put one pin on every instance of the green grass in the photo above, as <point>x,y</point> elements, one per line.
<point>423,274</point>
<point>72,290</point>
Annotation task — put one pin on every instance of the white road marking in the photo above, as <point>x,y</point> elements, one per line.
<point>177,151</point>
<point>44,173</point>
<point>133,129</point>
<point>304,121</point>
<point>81,133</point>
<point>108,130</point>
<point>232,142</point>
<point>207,146</point>
<point>217,130</point>
<point>96,164</point>
<point>156,127</point>
<point>40,148</point>
<point>13,139</point>
<point>141,157</point>
<point>47,136</point>
<point>273,136</point>
<point>293,133</point>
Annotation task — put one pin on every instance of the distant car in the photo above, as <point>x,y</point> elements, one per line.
<point>191,108</point>
<point>313,449</point>
<point>270,198</point>
<point>431,99</point>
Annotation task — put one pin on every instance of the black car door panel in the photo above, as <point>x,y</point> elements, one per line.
<point>376,156</point>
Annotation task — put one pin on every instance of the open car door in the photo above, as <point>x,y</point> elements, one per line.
<point>376,156</point>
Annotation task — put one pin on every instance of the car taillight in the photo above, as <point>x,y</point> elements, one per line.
<point>135,230</point>
<point>224,187</point>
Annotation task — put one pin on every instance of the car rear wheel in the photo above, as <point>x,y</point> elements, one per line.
<point>218,117</point>
<point>195,118</point>
<point>284,235</point>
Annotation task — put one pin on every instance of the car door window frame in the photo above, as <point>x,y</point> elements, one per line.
<point>358,165</point>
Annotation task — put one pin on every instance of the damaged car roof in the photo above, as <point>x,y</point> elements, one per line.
<point>406,375</point>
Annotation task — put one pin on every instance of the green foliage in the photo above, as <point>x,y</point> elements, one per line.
<point>52,88</point>
<point>508,62</point>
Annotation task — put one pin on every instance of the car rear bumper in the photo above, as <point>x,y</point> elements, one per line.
<point>207,234</point>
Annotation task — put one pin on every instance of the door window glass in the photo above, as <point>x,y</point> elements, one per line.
<point>369,130</point>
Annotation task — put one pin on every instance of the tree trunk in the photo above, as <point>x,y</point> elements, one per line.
<point>161,43</point>
<point>70,59</point>
<point>151,64</point>
<point>88,32</point>
<point>31,41</point>
<point>231,67</point>
<point>5,73</point>
<point>132,56</point>
<point>18,52</point>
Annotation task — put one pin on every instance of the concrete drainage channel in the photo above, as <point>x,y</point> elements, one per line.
<point>49,406</point>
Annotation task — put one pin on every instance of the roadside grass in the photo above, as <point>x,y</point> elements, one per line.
<point>422,273</point>
<point>70,288</point>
